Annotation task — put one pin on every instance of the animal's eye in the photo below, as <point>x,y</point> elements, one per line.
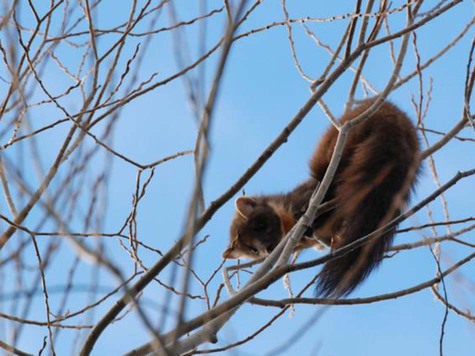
<point>253,250</point>
<point>269,248</point>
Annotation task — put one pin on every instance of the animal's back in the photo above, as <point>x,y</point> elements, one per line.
<point>372,183</point>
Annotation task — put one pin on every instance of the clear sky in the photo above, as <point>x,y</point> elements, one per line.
<point>261,91</point>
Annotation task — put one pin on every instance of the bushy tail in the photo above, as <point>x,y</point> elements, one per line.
<point>370,190</point>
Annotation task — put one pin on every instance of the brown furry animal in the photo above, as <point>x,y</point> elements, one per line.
<point>373,181</point>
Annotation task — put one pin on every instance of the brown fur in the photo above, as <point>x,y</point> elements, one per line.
<point>371,185</point>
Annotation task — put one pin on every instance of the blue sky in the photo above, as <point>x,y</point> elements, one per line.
<point>260,93</point>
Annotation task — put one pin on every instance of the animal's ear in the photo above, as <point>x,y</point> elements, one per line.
<point>232,253</point>
<point>245,205</point>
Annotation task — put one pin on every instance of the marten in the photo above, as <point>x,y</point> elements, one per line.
<point>374,179</point>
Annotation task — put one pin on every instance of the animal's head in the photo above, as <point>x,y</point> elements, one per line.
<point>256,229</point>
